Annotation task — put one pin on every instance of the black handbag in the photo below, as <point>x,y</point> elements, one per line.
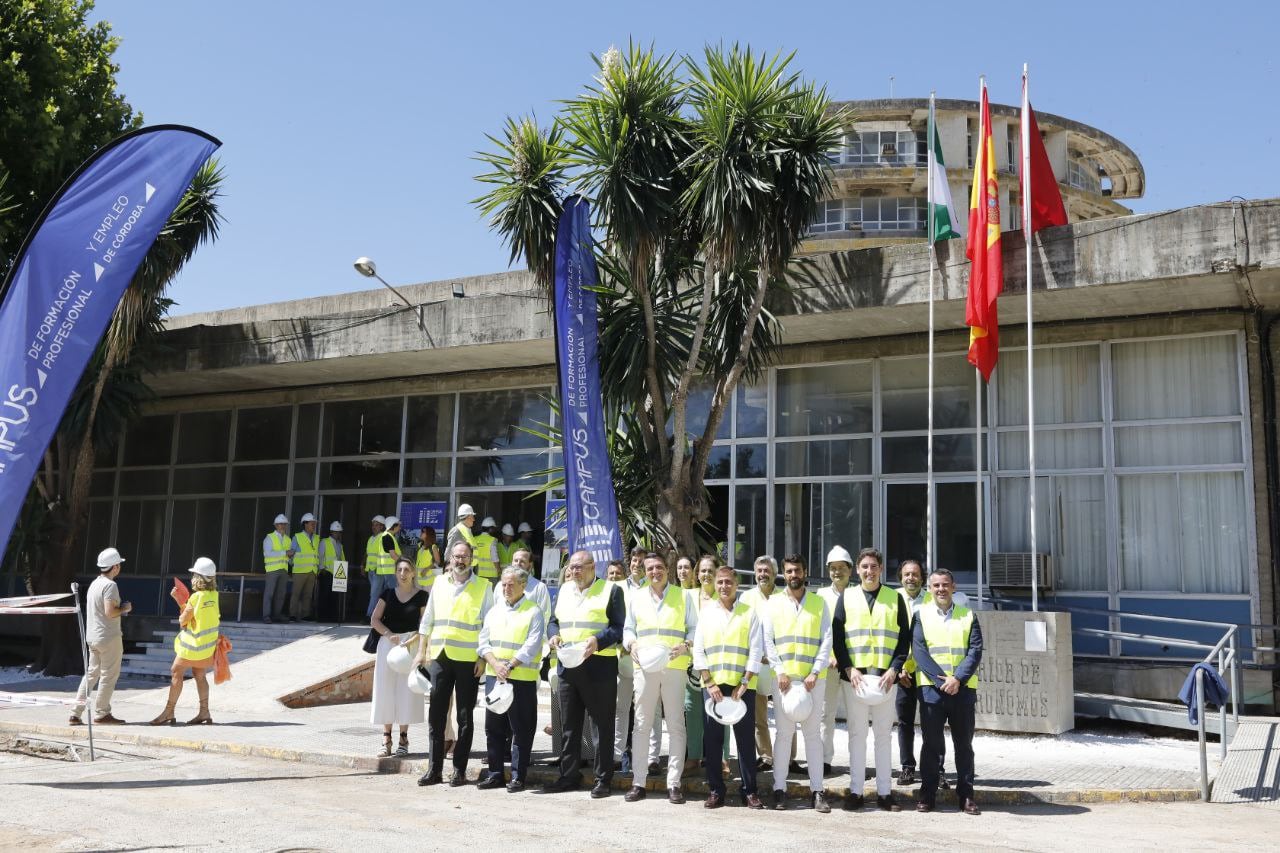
<point>371,642</point>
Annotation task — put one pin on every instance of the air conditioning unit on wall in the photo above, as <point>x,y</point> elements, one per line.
<point>1013,570</point>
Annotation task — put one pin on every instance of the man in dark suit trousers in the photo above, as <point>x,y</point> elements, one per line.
<point>947,646</point>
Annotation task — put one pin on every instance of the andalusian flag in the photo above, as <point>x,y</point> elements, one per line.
<point>986,264</point>
<point>943,222</point>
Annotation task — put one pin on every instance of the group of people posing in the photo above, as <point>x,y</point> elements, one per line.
<point>636,650</point>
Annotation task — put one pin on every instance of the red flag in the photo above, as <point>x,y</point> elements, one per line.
<point>1042,189</point>
<point>986,262</point>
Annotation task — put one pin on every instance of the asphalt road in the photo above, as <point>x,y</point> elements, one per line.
<point>141,799</point>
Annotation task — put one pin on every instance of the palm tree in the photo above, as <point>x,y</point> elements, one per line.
<point>703,177</point>
<point>106,400</point>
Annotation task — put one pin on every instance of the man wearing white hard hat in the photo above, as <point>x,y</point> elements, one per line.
<point>485,546</point>
<point>507,545</point>
<point>511,646</point>
<point>728,647</point>
<point>331,551</point>
<point>872,632</point>
<point>449,644</point>
<point>839,569</point>
<point>277,550</point>
<point>306,563</point>
<point>461,532</point>
<point>797,638</point>
<point>588,620</point>
<point>102,634</point>
<point>373,559</point>
<point>659,626</point>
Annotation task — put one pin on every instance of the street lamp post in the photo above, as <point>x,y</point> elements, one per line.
<point>367,268</point>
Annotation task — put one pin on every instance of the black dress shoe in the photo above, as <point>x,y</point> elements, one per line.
<point>561,785</point>
<point>853,802</point>
<point>888,804</point>
<point>654,767</point>
<point>828,770</point>
<point>943,784</point>
<point>779,800</point>
<point>907,776</point>
<point>493,780</point>
<point>752,801</point>
<point>924,806</point>
<point>794,767</point>
<point>600,790</point>
<point>714,801</point>
<point>515,786</point>
<point>970,807</point>
<point>819,801</point>
<point>634,793</point>
<point>431,777</point>
<point>458,779</point>
<point>675,796</point>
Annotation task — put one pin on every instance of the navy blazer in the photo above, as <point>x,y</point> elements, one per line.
<point>926,664</point>
<point>597,667</point>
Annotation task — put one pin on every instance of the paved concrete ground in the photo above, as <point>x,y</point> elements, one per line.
<point>1075,768</point>
<point>147,799</point>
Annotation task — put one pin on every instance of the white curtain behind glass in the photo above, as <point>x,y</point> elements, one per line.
<point>1072,513</point>
<point>1149,542</point>
<point>1181,378</point>
<point>1068,386</point>
<point>1214,539</point>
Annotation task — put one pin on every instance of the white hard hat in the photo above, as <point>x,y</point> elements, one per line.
<point>400,659</point>
<point>653,658</point>
<point>391,521</point>
<point>281,519</point>
<point>499,697</point>
<point>336,527</point>
<point>797,703</point>
<point>109,557</point>
<point>727,711</point>
<point>838,554</point>
<point>419,680</point>
<point>307,517</point>
<point>380,519</point>
<point>204,567</point>
<point>488,522</point>
<point>508,530</point>
<point>465,510</point>
<point>869,692</point>
<point>524,527</point>
<point>571,656</point>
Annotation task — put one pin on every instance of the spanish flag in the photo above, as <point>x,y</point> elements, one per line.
<point>986,265</point>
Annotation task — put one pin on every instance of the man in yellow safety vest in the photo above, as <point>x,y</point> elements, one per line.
<point>306,563</point>
<point>277,550</point>
<point>331,552</point>
<point>485,546</point>
<point>372,559</point>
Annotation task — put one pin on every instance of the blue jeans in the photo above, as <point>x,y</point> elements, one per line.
<point>378,583</point>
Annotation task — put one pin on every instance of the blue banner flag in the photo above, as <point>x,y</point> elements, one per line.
<point>419,515</point>
<point>68,278</point>
<point>591,507</point>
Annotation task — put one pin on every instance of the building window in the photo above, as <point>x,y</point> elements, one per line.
<point>881,148</point>
<point>1082,173</point>
<point>870,215</point>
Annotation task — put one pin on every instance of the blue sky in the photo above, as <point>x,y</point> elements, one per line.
<point>348,129</point>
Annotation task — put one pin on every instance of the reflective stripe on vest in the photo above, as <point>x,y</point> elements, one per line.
<point>456,626</point>
<point>275,563</point>
<point>199,639</point>
<point>387,561</point>
<point>507,635</point>
<point>330,553</point>
<point>663,626</point>
<point>727,648</point>
<point>307,559</point>
<point>947,640</point>
<point>872,634</point>
<point>482,556</point>
<point>796,634</point>
<point>425,563</point>
<point>910,666</point>
<point>585,617</point>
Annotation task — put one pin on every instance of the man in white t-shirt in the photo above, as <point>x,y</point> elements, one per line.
<point>103,636</point>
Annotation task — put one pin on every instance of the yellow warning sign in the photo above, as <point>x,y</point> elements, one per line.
<point>340,576</point>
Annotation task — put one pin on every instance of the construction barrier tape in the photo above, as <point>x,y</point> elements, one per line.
<point>28,600</point>
<point>23,611</point>
<point>32,699</point>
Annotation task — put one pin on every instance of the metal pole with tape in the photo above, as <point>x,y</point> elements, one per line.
<point>90,707</point>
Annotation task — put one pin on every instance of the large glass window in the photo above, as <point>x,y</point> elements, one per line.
<point>362,427</point>
<point>430,424</point>
<point>149,441</point>
<point>263,433</point>
<point>813,517</point>
<point>203,437</point>
<point>1175,378</point>
<point>904,393</point>
<point>497,420</point>
<point>829,400</point>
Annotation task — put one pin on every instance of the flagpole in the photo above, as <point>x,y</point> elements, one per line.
<point>979,153</point>
<point>1031,376</point>
<point>929,540</point>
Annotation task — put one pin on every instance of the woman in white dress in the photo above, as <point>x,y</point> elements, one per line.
<point>396,617</point>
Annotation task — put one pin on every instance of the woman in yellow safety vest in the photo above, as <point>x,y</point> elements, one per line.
<point>196,642</point>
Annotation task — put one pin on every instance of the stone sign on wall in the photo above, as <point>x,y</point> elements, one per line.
<point>1025,683</point>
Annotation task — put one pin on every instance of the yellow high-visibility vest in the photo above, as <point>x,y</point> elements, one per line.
<point>387,561</point>
<point>872,634</point>
<point>276,563</point>
<point>727,648</point>
<point>456,626</point>
<point>482,556</point>
<point>507,635</point>
<point>665,626</point>
<point>373,553</point>
<point>797,634</point>
<point>947,640</point>
<point>307,559</point>
<point>330,552</point>
<point>425,563</point>
<point>506,552</point>
<point>587,616</point>
<point>199,639</point>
